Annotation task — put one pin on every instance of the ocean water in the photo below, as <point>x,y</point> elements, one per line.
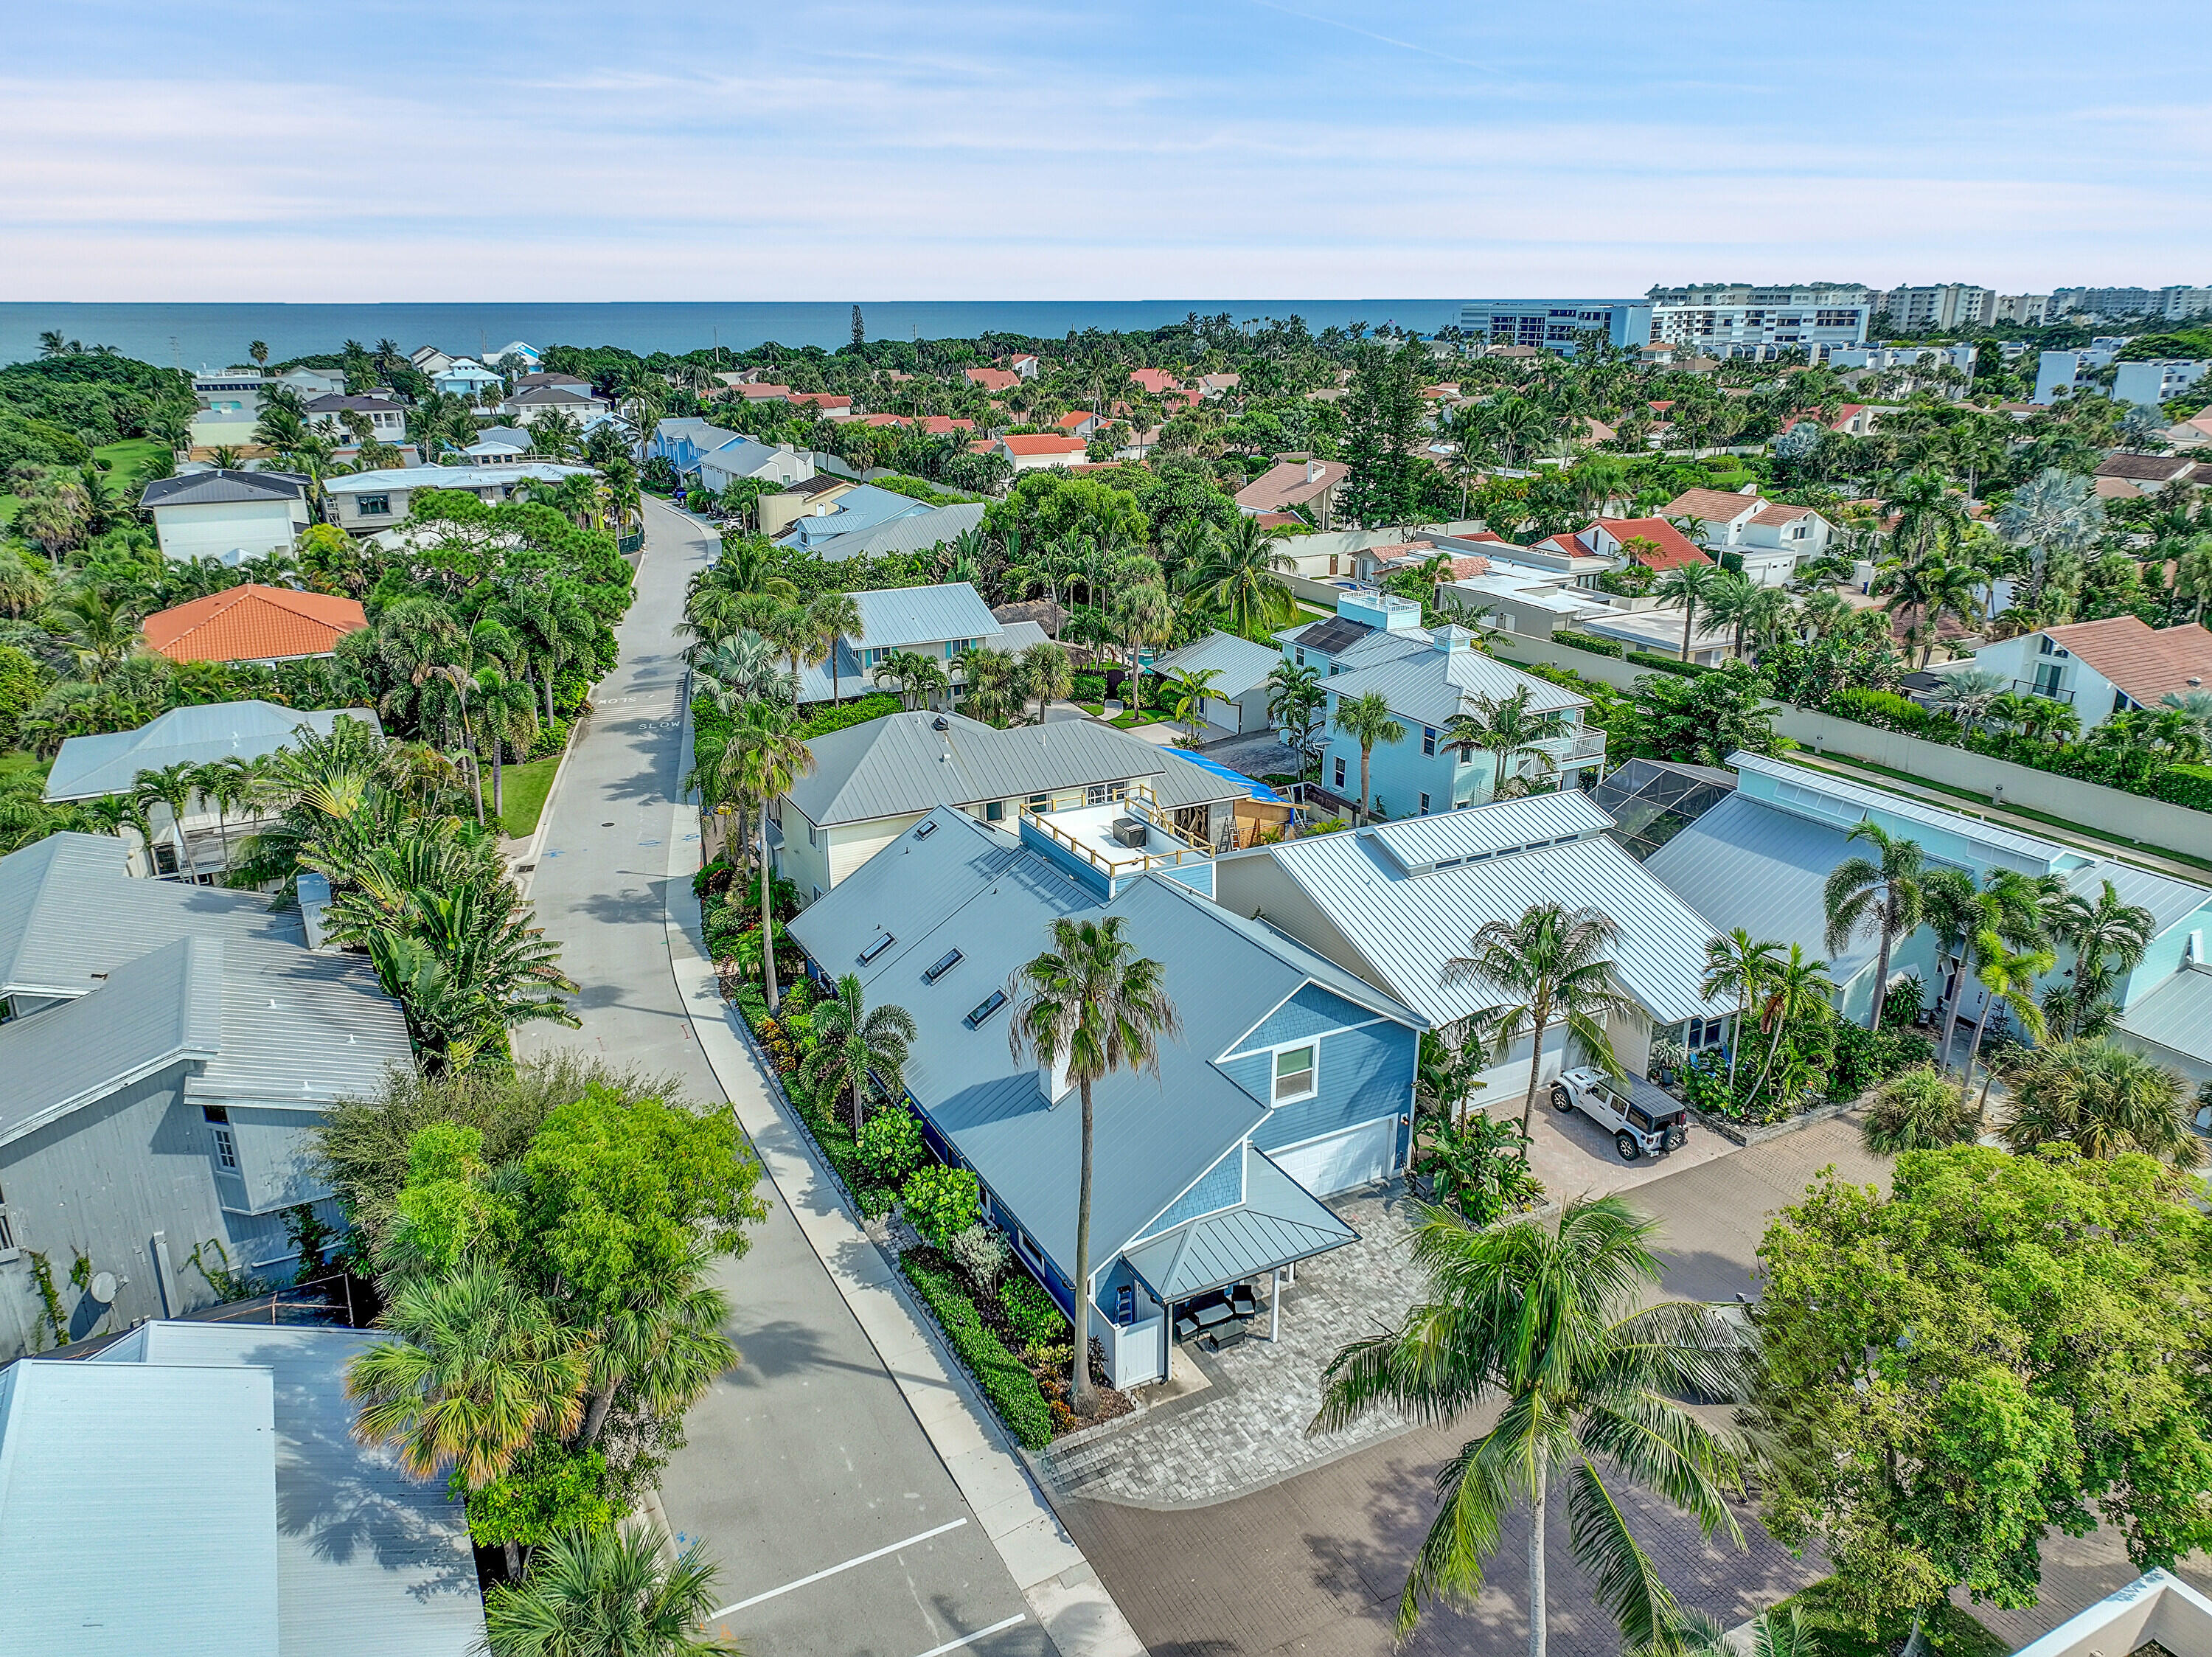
<point>215,336</point>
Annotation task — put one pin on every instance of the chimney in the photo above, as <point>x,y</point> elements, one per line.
<point>1053,1081</point>
<point>1313,472</point>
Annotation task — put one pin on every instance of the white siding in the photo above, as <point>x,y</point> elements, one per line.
<point>253,528</point>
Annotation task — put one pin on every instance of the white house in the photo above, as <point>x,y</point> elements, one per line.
<point>227,515</point>
<point>1035,451</point>
<point>1236,698</point>
<point>387,421</point>
<point>747,457</point>
<point>2154,383</point>
<point>366,502</point>
<point>535,402</point>
<point>1768,537</point>
<point>463,377</point>
<point>2100,668</point>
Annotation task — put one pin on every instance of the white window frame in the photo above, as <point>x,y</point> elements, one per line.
<point>226,1147</point>
<point>1275,1095</point>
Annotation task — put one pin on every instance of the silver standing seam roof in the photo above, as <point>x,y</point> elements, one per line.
<point>902,763</point>
<point>2169,901</point>
<point>915,532</point>
<point>895,617</point>
<point>963,887</point>
<point>89,767</point>
<point>1431,684</point>
<point>223,487</point>
<point>1280,1220</point>
<point>2177,1015</point>
<point>1860,798</point>
<point>1243,666</point>
<point>1407,925</point>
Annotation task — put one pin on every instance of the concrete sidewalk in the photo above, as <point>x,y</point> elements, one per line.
<point>1062,1590</point>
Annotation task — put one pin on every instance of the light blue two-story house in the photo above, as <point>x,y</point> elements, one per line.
<point>1376,643</point>
<point>1290,1080</point>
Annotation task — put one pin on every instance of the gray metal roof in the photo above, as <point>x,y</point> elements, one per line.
<point>1749,864</point>
<point>1280,1220</point>
<point>1430,686</point>
<point>1420,843</point>
<point>223,487</point>
<point>897,617</point>
<point>1862,798</point>
<point>916,532</point>
<point>2177,1015</point>
<point>166,1477</point>
<point>69,910</point>
<point>89,767</point>
<point>367,1561</point>
<point>2169,901</point>
<point>444,477</point>
<point>966,886</point>
<point>901,764</point>
<point>1406,926</point>
<point>252,1025</point>
<point>1243,665</point>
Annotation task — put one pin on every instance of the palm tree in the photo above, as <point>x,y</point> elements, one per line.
<point>1922,1109</point>
<point>172,785</point>
<point>1051,676</point>
<point>2056,511</point>
<point>1367,720</point>
<point>852,1041</point>
<point>479,1370</point>
<point>1190,689</point>
<point>609,1593</point>
<point>2108,937</point>
<point>1795,992</point>
<point>1507,730</point>
<point>1931,516</point>
<point>832,617</point>
<point>920,679</point>
<point>1929,589</point>
<point>1729,601</point>
<point>1685,586</point>
<point>1883,897</point>
<point>1551,1326</point>
<point>229,782</point>
<point>662,1341</point>
<point>2103,1099</point>
<point>1955,912</point>
<point>1294,697</point>
<point>1735,965</point>
<point>742,666</point>
<point>767,756</point>
<point>2008,974</point>
<point>1089,1006</point>
<point>506,710</point>
<point>1239,576</point>
<point>1553,965</point>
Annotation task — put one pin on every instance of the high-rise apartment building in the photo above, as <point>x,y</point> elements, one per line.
<point>2173,304</point>
<point>1736,319</point>
<point>1553,324</point>
<point>1944,306</point>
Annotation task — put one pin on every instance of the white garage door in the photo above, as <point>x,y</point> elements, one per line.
<point>1354,1157</point>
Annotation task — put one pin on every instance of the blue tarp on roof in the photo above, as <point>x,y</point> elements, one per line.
<point>1260,790</point>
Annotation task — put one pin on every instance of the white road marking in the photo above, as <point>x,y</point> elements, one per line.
<point>848,1565</point>
<point>980,1633</point>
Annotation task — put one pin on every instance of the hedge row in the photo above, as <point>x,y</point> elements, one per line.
<point>1589,642</point>
<point>1006,1381</point>
<point>1666,664</point>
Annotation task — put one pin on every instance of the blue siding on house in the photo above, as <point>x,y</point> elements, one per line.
<point>1222,1186</point>
<point>1313,1011</point>
<point>1364,1073</point>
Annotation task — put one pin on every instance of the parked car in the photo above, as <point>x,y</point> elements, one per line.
<point>1643,1119</point>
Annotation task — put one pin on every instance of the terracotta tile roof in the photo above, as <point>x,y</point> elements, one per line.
<point>2117,489</point>
<point>2146,662</point>
<point>1074,418</point>
<point>1467,566</point>
<point>1711,505</point>
<point>1042,442</point>
<point>1287,520</point>
<point>762,391</point>
<point>1775,517</point>
<point>1400,551</point>
<point>884,420</point>
<point>253,623</point>
<point>942,425</point>
<point>996,379</point>
<point>1154,381</point>
<point>1675,549</point>
<point>820,399</point>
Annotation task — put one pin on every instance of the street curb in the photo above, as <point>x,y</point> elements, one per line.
<point>529,854</point>
<point>1059,1584</point>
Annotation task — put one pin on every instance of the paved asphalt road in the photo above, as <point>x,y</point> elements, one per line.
<point>1314,1565</point>
<point>805,1458</point>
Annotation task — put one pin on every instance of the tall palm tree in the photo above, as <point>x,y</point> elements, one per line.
<point>172,786</point>
<point>1929,589</point>
<point>1367,720</point>
<point>1240,576</point>
<point>1294,697</point>
<point>1051,676</point>
<point>852,1041</point>
<point>662,1341</point>
<point>1190,689</point>
<point>1551,1325</point>
<point>229,782</point>
<point>1729,601</point>
<point>2006,975</point>
<point>1734,965</point>
<point>609,1593</point>
<point>1882,895</point>
<point>1089,1006</point>
<point>479,1370</point>
<point>1509,732</point>
<point>1931,516</point>
<point>832,617</point>
<point>1795,991</point>
<point>2056,511</point>
<point>1955,911</point>
<point>1686,587</point>
<point>2103,1099</point>
<point>741,666</point>
<point>2108,938</point>
<point>507,714</point>
<point>1553,965</point>
<point>920,679</point>
<point>768,755</point>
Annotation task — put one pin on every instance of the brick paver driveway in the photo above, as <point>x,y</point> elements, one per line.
<point>1314,1563</point>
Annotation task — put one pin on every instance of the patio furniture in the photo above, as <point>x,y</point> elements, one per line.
<point>1185,1327</point>
<point>1229,1334</point>
<point>1218,1312</point>
<point>1244,1300</point>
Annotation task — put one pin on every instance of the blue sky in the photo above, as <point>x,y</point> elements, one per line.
<point>552,151</point>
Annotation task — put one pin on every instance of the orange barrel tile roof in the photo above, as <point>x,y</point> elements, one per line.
<point>253,623</point>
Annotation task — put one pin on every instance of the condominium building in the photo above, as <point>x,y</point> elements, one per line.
<point>2172,303</point>
<point>1944,306</point>
<point>1736,319</point>
<point>2029,310</point>
<point>2153,383</point>
<point>1554,323</point>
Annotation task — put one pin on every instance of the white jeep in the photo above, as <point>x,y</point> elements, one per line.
<point>1642,1118</point>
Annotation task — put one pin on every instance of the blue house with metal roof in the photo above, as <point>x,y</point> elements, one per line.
<point>1291,1081</point>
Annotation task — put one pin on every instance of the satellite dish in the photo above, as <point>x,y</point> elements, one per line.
<point>103,1287</point>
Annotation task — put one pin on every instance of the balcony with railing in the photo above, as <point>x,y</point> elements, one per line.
<point>1110,842</point>
<point>1574,749</point>
<point>2038,687</point>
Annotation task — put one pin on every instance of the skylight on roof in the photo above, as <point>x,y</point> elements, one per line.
<point>877,948</point>
<point>983,1010</point>
<point>926,830</point>
<point>944,964</point>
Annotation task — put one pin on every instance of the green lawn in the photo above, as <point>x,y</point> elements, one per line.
<point>2082,829</point>
<point>127,462</point>
<point>523,788</point>
<point>15,762</point>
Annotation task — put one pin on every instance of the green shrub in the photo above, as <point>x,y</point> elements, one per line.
<point>1088,687</point>
<point>549,1489</point>
<point>890,1146</point>
<point>1863,1057</point>
<point>1005,1381</point>
<point>850,713</point>
<point>1596,646</point>
<point>1666,664</point>
<point>1032,1312</point>
<point>2187,785</point>
<point>941,1203</point>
